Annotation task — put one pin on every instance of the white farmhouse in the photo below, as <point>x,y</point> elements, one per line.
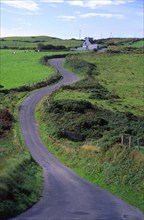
<point>87,45</point>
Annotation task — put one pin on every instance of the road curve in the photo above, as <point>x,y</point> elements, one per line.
<point>65,195</point>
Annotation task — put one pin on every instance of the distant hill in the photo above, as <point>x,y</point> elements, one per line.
<point>126,42</point>
<point>32,42</point>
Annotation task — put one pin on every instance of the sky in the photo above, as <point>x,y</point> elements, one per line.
<point>72,18</point>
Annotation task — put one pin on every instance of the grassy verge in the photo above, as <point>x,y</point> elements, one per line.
<point>21,185</point>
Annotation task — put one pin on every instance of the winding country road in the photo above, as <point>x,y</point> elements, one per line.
<point>65,195</point>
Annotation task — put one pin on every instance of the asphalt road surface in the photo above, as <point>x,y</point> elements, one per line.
<point>66,196</point>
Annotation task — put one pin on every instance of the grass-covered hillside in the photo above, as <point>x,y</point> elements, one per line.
<point>32,42</point>
<point>96,125</point>
<point>120,74</point>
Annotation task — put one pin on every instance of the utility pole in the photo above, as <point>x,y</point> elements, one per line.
<point>111,35</point>
<point>79,34</point>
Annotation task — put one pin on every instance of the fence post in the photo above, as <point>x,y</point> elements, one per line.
<point>138,144</point>
<point>122,139</point>
<point>130,141</point>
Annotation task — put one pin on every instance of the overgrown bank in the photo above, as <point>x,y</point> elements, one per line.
<point>117,169</point>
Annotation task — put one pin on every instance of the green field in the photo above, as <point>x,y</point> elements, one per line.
<point>121,74</point>
<point>32,42</point>
<point>23,68</point>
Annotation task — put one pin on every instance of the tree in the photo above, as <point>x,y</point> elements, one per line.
<point>40,46</point>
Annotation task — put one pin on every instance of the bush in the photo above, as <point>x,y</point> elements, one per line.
<point>43,47</point>
<point>68,105</point>
<point>5,122</point>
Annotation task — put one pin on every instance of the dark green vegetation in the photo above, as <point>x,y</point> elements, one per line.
<point>33,42</point>
<point>81,117</point>
<point>20,176</point>
<point>96,125</point>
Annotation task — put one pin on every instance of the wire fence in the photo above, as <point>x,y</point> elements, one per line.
<point>126,140</point>
<point>132,141</point>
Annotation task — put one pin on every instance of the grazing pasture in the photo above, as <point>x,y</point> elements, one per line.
<point>20,68</point>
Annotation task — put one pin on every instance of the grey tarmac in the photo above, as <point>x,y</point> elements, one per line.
<point>65,196</point>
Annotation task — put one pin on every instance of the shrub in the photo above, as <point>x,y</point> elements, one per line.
<point>69,105</point>
<point>43,47</point>
<point>5,122</point>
